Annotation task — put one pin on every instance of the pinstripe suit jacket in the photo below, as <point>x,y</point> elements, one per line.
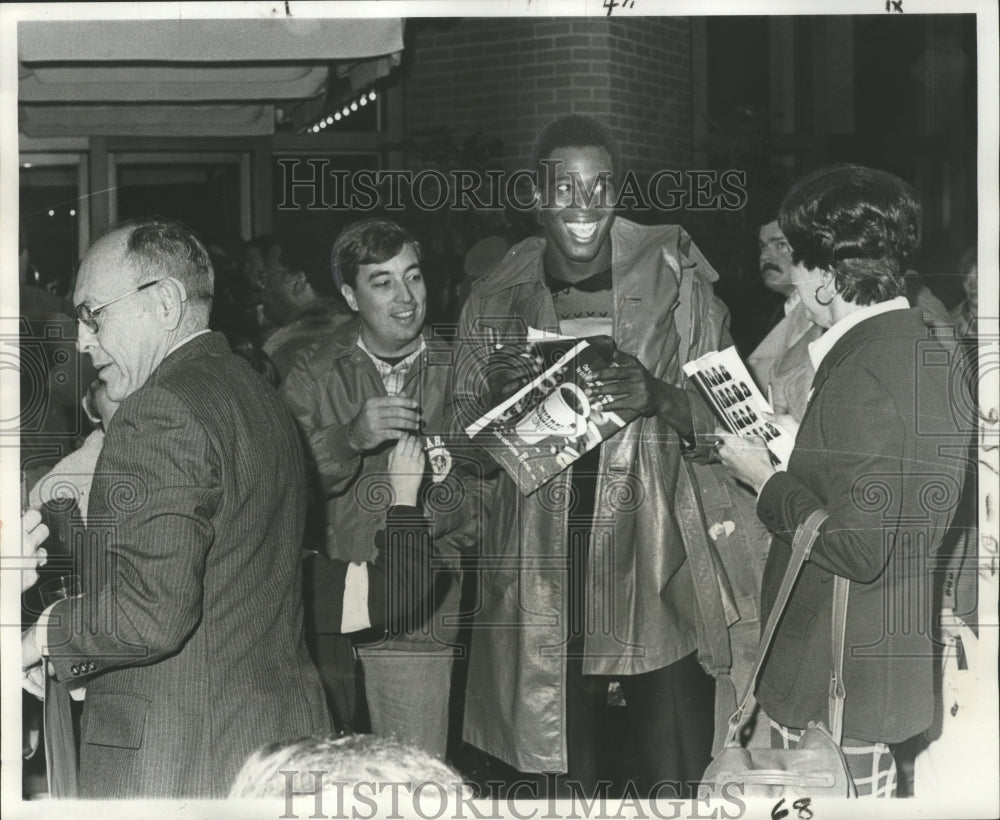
<point>189,629</point>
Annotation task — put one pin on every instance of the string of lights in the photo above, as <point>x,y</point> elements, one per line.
<point>342,113</point>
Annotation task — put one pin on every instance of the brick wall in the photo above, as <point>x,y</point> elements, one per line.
<point>650,91</point>
<point>511,76</point>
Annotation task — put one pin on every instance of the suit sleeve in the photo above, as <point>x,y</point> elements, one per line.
<point>861,448</point>
<point>334,463</point>
<point>399,579</point>
<point>150,534</point>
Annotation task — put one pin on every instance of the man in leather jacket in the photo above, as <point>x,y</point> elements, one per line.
<point>606,572</point>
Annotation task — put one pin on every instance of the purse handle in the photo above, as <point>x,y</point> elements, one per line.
<point>802,544</point>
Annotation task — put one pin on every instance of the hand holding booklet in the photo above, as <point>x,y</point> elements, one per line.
<point>726,385</point>
<point>556,416</point>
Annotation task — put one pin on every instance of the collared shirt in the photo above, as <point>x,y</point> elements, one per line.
<point>824,344</point>
<point>791,302</point>
<point>394,375</point>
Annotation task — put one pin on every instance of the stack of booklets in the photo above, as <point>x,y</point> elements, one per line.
<point>555,417</point>
<point>724,382</point>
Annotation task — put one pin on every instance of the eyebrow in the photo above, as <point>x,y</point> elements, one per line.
<point>386,272</point>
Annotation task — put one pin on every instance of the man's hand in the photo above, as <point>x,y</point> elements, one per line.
<point>407,463</point>
<point>33,535</point>
<point>383,418</point>
<point>509,387</point>
<point>631,386</point>
<point>33,669</point>
<point>30,652</point>
<point>785,421</point>
<point>33,681</point>
<point>510,369</point>
<point>746,457</point>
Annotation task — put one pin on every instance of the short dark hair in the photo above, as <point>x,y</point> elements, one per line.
<point>158,247</point>
<point>368,242</point>
<point>861,224</point>
<point>575,131</point>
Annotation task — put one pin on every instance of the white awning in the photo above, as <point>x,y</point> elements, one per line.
<point>188,77</point>
<point>197,41</point>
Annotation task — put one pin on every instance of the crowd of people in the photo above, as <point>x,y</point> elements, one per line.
<point>279,499</point>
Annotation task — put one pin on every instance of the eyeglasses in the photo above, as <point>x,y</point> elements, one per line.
<point>87,316</point>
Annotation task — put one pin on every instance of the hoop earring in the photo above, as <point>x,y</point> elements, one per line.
<point>819,301</point>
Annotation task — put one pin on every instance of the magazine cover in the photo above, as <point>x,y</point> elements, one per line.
<point>555,418</point>
<point>724,381</point>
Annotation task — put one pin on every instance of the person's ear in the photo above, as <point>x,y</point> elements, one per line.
<point>350,297</point>
<point>171,296</point>
<point>536,196</point>
<point>299,281</point>
<point>536,203</point>
<point>828,280</point>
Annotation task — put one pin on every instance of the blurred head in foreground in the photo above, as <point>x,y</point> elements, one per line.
<point>354,769</point>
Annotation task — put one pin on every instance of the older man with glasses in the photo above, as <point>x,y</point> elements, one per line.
<point>189,628</point>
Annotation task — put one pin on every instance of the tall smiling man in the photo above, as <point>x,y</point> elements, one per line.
<point>355,394</point>
<point>588,579</point>
<point>188,633</point>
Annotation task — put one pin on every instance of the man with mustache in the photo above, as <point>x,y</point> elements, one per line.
<point>781,361</point>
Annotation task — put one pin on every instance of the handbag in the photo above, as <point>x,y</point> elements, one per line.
<point>816,767</point>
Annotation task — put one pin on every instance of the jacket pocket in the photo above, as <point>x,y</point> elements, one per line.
<point>115,719</point>
<point>788,651</point>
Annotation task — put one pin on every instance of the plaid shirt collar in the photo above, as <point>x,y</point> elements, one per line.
<point>393,375</point>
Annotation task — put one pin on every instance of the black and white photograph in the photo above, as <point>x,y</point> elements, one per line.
<point>311,524</point>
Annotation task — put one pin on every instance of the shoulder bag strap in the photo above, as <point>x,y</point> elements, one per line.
<point>802,544</point>
<point>841,587</point>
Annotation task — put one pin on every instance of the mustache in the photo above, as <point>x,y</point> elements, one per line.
<point>770,266</point>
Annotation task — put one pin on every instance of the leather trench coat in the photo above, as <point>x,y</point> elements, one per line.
<point>655,586</point>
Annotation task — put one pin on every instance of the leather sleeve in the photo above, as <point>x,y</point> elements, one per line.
<point>334,463</point>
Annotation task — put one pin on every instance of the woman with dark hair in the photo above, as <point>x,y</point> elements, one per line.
<point>870,452</point>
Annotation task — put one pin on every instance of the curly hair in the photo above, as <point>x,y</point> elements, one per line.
<point>861,224</point>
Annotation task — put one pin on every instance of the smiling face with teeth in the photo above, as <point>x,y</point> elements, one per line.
<point>576,212</point>
<point>391,300</point>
